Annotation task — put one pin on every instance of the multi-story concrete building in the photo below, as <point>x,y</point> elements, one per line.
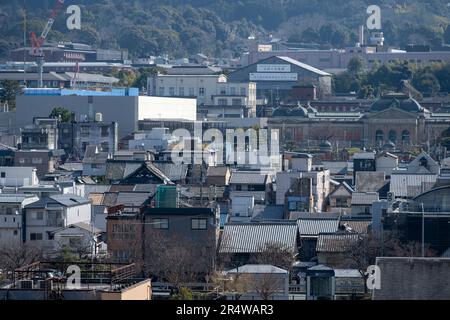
<point>216,96</point>
<point>123,106</point>
<point>11,213</point>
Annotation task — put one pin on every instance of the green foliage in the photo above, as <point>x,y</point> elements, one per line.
<point>61,112</point>
<point>8,91</point>
<point>184,294</point>
<point>180,27</point>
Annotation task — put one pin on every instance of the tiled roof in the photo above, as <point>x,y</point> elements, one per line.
<point>217,171</point>
<point>364,198</point>
<point>313,227</point>
<point>359,226</point>
<point>258,268</point>
<point>335,242</point>
<point>251,238</point>
<point>132,198</point>
<point>175,172</point>
<point>247,177</point>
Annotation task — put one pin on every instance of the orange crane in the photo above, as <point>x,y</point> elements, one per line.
<point>37,43</point>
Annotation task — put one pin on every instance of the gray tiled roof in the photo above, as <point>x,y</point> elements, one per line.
<point>175,172</point>
<point>251,238</point>
<point>247,177</point>
<point>336,242</point>
<point>132,198</point>
<point>364,198</point>
<point>411,185</point>
<point>313,227</point>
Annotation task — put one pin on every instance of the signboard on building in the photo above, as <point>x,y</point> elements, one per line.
<point>266,76</point>
<point>273,68</point>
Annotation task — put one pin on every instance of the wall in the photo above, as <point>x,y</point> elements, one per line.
<point>23,176</point>
<point>413,279</point>
<point>166,108</point>
<point>121,109</point>
<point>140,291</point>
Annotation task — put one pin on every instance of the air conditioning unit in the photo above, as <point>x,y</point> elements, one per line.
<point>44,285</point>
<point>26,284</point>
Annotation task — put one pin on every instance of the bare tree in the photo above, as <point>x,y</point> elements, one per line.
<point>275,254</point>
<point>16,255</point>
<point>267,284</point>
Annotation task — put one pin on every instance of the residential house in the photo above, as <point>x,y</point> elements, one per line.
<point>341,198</point>
<point>250,183</point>
<point>243,242</point>
<point>218,176</point>
<point>362,202</point>
<point>52,213</point>
<point>18,177</point>
<point>94,161</point>
<point>44,161</point>
<point>332,248</point>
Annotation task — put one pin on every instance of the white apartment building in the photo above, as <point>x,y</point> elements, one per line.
<point>18,176</point>
<point>216,97</point>
<point>11,208</point>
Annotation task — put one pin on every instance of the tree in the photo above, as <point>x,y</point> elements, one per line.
<point>8,91</point>
<point>355,66</point>
<point>16,255</point>
<point>427,83</point>
<point>276,254</point>
<point>447,35</point>
<point>62,113</point>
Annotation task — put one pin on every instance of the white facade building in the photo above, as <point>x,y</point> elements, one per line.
<point>18,176</point>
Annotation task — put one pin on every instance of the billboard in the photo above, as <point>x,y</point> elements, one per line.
<point>267,76</point>
<point>273,68</point>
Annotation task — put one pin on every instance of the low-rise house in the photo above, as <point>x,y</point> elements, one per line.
<point>94,161</point>
<point>250,183</point>
<point>52,213</point>
<point>11,214</point>
<point>332,248</point>
<point>243,242</point>
<point>44,161</point>
<point>81,238</point>
<point>341,198</point>
<point>261,282</point>
<point>362,202</point>
<point>218,176</point>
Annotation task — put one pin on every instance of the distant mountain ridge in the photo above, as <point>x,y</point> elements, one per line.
<point>180,27</point>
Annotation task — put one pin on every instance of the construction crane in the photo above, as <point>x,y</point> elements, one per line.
<point>36,43</point>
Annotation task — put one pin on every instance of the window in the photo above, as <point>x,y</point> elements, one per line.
<point>237,102</point>
<point>341,202</point>
<point>201,91</point>
<point>379,137</point>
<point>35,236</point>
<point>181,91</point>
<point>243,92</point>
<point>39,216</point>
<point>405,137</point>
<point>171,91</point>
<point>191,92</point>
<point>36,161</point>
<point>161,91</point>
<point>105,131</point>
<point>105,146</point>
<point>393,136</point>
<point>223,90</point>
<point>232,91</point>
<point>198,224</point>
<point>3,175</point>
<point>160,223</point>
<point>16,232</point>
<point>22,160</point>
<point>222,102</point>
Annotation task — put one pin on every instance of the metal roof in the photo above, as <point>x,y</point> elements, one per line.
<point>304,66</point>
<point>248,177</point>
<point>335,242</point>
<point>66,200</point>
<point>364,198</point>
<point>258,268</point>
<point>313,227</point>
<point>411,185</point>
<point>251,238</point>
<point>14,198</point>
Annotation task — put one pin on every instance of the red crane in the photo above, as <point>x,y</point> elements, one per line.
<point>36,43</point>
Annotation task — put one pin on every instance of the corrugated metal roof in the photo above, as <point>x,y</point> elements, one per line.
<point>335,242</point>
<point>250,238</point>
<point>258,268</point>
<point>313,227</point>
<point>411,185</point>
<point>14,198</point>
<point>364,198</point>
<point>246,177</point>
<point>304,66</point>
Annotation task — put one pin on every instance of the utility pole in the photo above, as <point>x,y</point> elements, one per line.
<point>423,232</point>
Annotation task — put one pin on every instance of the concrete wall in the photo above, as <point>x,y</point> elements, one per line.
<point>413,279</point>
<point>140,291</point>
<point>18,177</point>
<point>167,108</point>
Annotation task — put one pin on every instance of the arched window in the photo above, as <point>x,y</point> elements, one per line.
<point>379,137</point>
<point>406,139</point>
<point>393,136</point>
